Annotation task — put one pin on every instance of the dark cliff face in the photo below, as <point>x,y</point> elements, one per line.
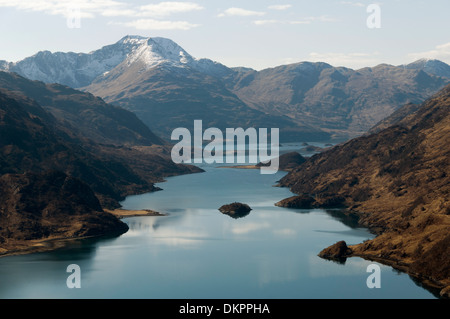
<point>30,140</point>
<point>50,205</point>
<point>82,113</point>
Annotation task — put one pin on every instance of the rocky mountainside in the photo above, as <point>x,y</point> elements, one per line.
<point>395,117</point>
<point>168,88</point>
<point>430,66</point>
<point>73,69</point>
<point>341,101</point>
<point>87,115</point>
<point>166,97</point>
<point>399,116</point>
<point>49,206</point>
<point>34,139</point>
<point>397,182</point>
<point>56,175</point>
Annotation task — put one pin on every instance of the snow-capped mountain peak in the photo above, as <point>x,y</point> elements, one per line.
<point>431,66</point>
<point>81,69</point>
<point>156,51</point>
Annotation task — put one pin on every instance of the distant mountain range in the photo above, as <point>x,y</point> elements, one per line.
<point>168,88</point>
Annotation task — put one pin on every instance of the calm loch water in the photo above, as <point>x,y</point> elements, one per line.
<point>197,252</point>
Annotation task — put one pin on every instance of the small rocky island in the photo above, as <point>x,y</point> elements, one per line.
<point>337,252</point>
<point>286,162</point>
<point>235,210</point>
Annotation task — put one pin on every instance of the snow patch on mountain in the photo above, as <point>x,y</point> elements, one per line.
<point>161,51</point>
<point>156,51</point>
<point>431,66</point>
<point>81,69</point>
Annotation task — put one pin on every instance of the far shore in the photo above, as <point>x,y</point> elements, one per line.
<point>241,166</point>
<point>124,213</point>
<point>38,245</point>
<point>53,243</point>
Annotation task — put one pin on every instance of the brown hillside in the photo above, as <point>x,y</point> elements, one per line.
<point>398,182</point>
<point>52,205</point>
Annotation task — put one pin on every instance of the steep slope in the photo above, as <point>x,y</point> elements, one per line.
<point>395,117</point>
<point>430,66</point>
<point>83,113</point>
<point>48,206</point>
<point>397,182</point>
<point>31,139</point>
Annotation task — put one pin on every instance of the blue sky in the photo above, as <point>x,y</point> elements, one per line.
<point>257,34</point>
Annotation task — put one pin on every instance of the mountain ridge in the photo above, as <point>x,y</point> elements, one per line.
<point>154,77</point>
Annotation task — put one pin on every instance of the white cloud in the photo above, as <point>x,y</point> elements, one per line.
<point>164,9</point>
<point>353,4</point>
<point>118,13</point>
<point>240,12</point>
<point>300,22</point>
<point>280,7</point>
<point>112,8</point>
<point>152,24</point>
<point>322,18</point>
<point>264,22</point>
<point>440,52</point>
<point>307,20</point>
<point>86,8</point>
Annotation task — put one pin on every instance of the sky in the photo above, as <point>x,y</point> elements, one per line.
<point>257,33</point>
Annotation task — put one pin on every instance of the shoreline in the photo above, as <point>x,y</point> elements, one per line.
<point>241,166</point>
<point>426,282</point>
<point>41,245</point>
<point>50,244</point>
<point>124,213</point>
<point>375,250</point>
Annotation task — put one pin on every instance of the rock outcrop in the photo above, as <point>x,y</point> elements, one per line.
<point>337,252</point>
<point>235,210</point>
<point>287,162</point>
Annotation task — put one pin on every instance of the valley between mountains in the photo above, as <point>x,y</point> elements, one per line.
<point>81,131</point>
